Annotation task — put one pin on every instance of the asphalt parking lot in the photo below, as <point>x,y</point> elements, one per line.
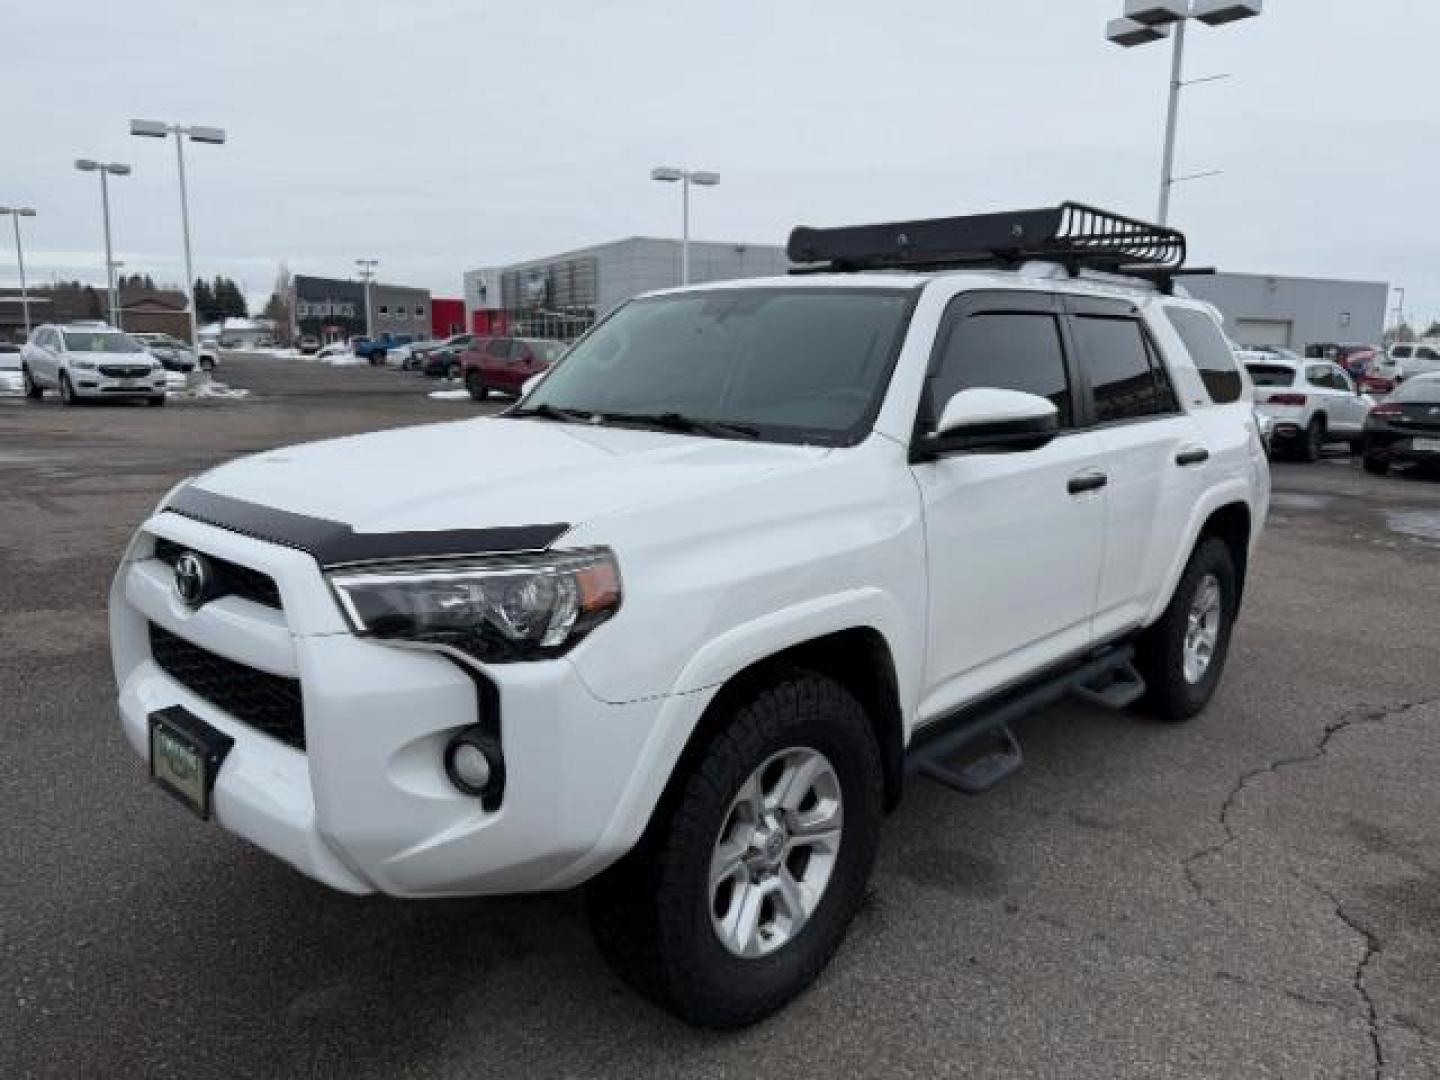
<point>1256,893</point>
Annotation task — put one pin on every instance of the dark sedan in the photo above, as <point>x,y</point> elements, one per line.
<point>1404,428</point>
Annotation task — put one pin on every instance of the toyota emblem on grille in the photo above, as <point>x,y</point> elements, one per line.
<point>192,578</point>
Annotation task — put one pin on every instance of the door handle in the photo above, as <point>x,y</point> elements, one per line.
<point>1091,480</point>
<point>1192,455</point>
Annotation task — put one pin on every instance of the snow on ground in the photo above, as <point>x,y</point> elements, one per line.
<point>11,383</point>
<point>449,395</point>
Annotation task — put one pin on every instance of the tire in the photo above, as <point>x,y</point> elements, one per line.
<point>67,391</point>
<point>156,401</point>
<point>452,371</point>
<point>1312,443</point>
<point>33,390</point>
<point>475,383</point>
<point>1374,465</point>
<point>1357,446</point>
<point>1172,693</point>
<point>656,914</point>
<point>377,358</point>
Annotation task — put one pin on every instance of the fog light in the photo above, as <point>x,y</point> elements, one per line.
<point>474,763</point>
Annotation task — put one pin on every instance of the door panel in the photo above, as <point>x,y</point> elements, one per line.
<point>1014,555</point>
<point>1151,496</point>
<point>1014,564</point>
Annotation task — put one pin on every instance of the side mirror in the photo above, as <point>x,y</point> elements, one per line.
<point>530,383</point>
<point>990,421</point>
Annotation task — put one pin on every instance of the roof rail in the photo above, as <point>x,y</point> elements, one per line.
<point>1076,236</point>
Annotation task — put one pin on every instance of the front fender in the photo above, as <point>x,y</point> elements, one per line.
<point>720,660</point>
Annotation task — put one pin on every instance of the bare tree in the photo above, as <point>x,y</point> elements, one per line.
<point>277,308</point>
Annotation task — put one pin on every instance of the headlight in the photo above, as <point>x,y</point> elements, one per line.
<point>496,610</point>
<point>85,365</point>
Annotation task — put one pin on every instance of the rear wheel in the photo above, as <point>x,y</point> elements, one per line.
<point>754,867</point>
<point>33,390</point>
<point>475,383</point>
<point>1312,441</point>
<point>1183,655</point>
<point>1375,465</point>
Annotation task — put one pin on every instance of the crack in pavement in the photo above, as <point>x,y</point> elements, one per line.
<point>1373,946</point>
<point>1352,717</point>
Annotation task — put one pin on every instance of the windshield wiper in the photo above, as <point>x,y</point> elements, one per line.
<point>546,411</point>
<point>676,421</point>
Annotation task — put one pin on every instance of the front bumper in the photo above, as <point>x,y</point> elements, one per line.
<point>367,805</point>
<point>95,384</point>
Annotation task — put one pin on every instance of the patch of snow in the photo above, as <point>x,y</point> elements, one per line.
<point>11,383</point>
<point>449,395</point>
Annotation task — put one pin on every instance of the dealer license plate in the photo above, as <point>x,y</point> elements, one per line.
<point>185,756</point>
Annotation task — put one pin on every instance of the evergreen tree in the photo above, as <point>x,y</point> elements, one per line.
<point>205,309</point>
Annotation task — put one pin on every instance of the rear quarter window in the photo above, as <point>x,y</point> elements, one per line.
<point>1213,357</point>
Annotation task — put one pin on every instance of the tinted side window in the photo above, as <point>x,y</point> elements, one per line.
<point>1212,354</point>
<point>1319,375</point>
<point>1117,360</point>
<point>501,348</point>
<point>1005,351</point>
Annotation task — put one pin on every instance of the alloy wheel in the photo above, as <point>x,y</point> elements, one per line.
<point>1202,629</point>
<point>776,852</point>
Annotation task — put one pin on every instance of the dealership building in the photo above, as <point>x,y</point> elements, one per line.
<point>561,296</point>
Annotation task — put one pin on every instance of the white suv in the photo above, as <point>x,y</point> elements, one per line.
<point>1415,358</point>
<point>1311,402</point>
<point>90,360</point>
<point>746,556</point>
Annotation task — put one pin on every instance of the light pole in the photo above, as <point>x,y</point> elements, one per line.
<point>1150,20</point>
<point>106,169</point>
<point>159,129</point>
<point>16,213</point>
<point>367,275</point>
<point>669,174</point>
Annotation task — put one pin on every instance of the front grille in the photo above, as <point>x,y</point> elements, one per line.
<point>268,703</point>
<point>231,579</point>
<point>124,371</point>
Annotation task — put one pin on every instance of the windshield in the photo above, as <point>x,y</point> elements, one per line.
<point>100,341</point>
<point>1270,374</point>
<point>794,365</point>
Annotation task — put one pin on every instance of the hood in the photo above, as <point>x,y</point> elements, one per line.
<point>494,474</point>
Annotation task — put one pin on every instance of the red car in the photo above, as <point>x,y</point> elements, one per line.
<point>506,364</point>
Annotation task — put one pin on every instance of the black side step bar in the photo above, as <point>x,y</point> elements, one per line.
<point>974,749</point>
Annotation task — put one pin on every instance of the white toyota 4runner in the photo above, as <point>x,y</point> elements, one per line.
<point>680,623</point>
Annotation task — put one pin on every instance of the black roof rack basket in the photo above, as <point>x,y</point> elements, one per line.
<point>1072,234</point>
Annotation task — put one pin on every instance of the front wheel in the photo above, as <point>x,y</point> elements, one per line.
<point>1182,656</point>
<point>475,383</point>
<point>67,391</point>
<point>33,390</point>
<point>756,862</point>
<point>1374,465</point>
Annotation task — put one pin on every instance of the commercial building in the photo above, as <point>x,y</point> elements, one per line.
<point>400,311</point>
<point>1269,309</point>
<point>561,296</point>
<point>334,309</point>
<point>447,316</point>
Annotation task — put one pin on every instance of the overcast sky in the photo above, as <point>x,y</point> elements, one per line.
<point>442,135</point>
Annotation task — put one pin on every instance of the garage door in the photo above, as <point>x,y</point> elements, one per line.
<point>1262,331</point>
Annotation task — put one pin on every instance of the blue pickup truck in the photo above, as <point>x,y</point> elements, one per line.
<point>374,349</point>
